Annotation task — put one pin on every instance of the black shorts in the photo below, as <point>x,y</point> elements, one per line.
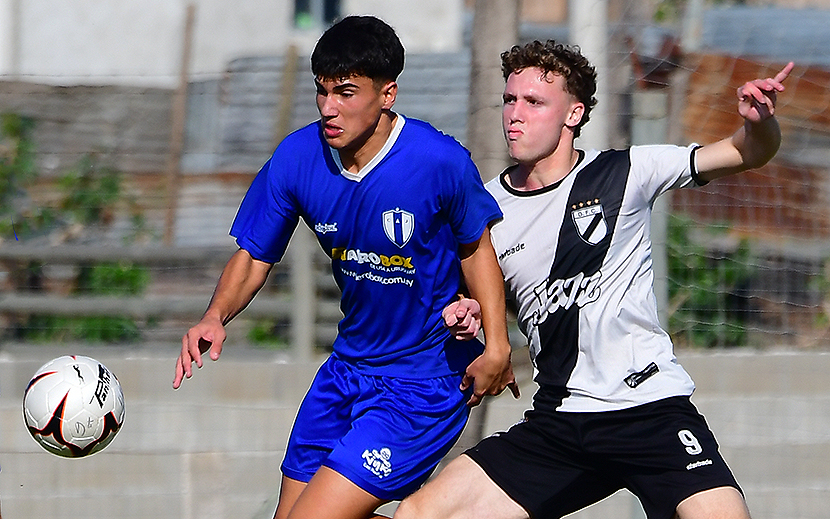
<point>555,463</point>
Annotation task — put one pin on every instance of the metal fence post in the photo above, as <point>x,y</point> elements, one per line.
<point>303,294</point>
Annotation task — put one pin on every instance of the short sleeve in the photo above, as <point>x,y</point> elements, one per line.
<point>660,168</point>
<point>473,208</point>
<point>267,216</point>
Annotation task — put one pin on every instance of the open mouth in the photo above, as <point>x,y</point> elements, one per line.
<point>331,131</point>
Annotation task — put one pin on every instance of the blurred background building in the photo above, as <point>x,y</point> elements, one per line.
<point>129,132</point>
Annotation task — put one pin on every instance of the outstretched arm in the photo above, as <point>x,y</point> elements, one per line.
<point>491,372</point>
<point>241,279</point>
<point>757,141</point>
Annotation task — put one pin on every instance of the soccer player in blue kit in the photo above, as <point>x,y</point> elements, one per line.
<point>402,212</point>
<point>613,407</point>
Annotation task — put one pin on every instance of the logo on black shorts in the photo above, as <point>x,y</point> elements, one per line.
<point>697,464</point>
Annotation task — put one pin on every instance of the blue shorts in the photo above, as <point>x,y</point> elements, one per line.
<point>385,434</point>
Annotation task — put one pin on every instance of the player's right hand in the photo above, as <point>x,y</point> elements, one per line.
<point>207,336</point>
<point>463,318</point>
<point>489,375</point>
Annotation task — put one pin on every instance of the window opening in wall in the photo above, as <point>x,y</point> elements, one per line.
<point>310,14</point>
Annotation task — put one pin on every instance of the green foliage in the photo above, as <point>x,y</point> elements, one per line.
<point>101,279</point>
<point>667,11</point>
<point>705,288</point>
<point>17,169</point>
<point>267,334</point>
<point>16,156</point>
<point>821,285</point>
<point>93,329</point>
<point>671,11</point>
<point>113,279</point>
<point>91,192</point>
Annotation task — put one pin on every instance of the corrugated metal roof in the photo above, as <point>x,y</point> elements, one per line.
<point>775,34</point>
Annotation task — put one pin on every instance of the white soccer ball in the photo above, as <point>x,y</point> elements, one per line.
<point>73,406</point>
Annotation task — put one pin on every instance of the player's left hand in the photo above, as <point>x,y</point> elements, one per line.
<point>489,374</point>
<point>756,99</point>
<point>463,318</point>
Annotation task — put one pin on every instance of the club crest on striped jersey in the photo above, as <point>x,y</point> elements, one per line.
<point>398,226</point>
<point>589,219</point>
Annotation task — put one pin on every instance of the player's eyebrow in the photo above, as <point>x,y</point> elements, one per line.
<point>336,88</point>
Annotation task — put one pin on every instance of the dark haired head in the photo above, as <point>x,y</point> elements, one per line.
<point>555,58</point>
<point>358,46</point>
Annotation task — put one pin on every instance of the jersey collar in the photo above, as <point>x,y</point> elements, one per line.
<point>580,163</point>
<point>365,170</point>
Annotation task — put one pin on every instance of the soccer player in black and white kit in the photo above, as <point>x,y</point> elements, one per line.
<point>613,409</point>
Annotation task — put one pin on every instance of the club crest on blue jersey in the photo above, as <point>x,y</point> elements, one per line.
<point>398,226</point>
<point>589,219</point>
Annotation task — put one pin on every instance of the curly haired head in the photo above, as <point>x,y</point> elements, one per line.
<point>555,58</point>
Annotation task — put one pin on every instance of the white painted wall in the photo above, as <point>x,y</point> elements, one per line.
<point>7,34</point>
<point>423,25</point>
<point>139,42</point>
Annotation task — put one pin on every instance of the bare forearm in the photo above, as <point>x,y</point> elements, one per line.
<point>490,373</point>
<point>757,141</point>
<point>485,283</point>
<point>752,146</point>
<point>240,281</point>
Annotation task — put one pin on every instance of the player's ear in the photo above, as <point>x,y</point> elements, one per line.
<point>389,92</point>
<point>577,110</point>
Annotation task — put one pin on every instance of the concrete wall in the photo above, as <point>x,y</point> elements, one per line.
<point>213,448</point>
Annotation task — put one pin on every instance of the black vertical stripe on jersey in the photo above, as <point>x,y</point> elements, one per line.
<point>605,179</point>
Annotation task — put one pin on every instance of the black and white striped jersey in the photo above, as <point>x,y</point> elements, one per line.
<point>576,257</point>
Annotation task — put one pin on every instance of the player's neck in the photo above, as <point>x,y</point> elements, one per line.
<point>356,157</point>
<point>544,172</point>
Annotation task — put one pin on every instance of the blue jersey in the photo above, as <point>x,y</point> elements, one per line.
<point>392,232</point>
